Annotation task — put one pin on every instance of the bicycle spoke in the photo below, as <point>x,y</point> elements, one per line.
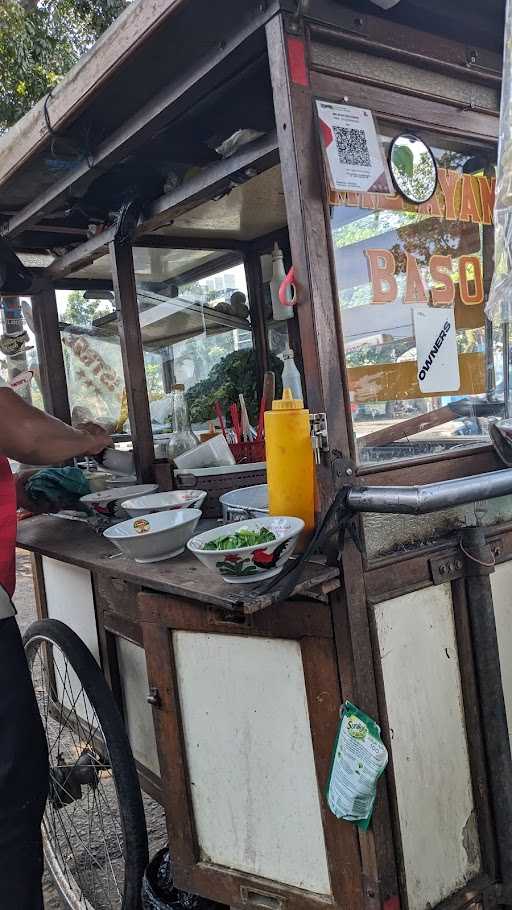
<point>84,835</point>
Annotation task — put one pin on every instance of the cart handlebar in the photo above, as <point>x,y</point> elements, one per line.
<point>430,497</point>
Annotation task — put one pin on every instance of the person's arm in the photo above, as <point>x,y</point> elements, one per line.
<point>30,436</point>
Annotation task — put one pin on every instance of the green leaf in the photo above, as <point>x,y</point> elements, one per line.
<point>40,42</point>
<point>403,160</point>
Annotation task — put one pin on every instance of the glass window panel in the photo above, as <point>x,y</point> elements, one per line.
<point>92,358</point>
<point>392,260</point>
<point>196,330</point>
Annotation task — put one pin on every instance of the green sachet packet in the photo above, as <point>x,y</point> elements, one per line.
<point>358,760</point>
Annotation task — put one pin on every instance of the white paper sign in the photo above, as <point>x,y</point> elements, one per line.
<point>436,349</point>
<point>352,150</point>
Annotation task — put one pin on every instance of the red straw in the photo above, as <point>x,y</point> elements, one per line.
<point>233,410</point>
<point>220,418</point>
<point>261,421</point>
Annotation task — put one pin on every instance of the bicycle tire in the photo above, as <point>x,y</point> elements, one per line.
<point>122,765</point>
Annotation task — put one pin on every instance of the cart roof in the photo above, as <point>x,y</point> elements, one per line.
<point>161,87</point>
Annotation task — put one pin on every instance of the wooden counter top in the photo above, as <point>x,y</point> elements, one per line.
<point>184,576</point>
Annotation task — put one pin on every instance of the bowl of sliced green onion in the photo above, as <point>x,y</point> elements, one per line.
<point>250,551</point>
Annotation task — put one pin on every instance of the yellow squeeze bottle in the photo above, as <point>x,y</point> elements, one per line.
<point>290,463</point>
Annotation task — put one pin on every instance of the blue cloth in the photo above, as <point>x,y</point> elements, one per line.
<point>57,486</point>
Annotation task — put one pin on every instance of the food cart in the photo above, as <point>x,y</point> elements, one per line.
<point>114,185</point>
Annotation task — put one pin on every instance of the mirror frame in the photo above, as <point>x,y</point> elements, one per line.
<point>395,183</point>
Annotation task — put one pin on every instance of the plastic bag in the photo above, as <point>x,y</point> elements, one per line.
<point>359,758</point>
<point>160,413</point>
<point>233,143</point>
<point>95,379</point>
<point>159,893</point>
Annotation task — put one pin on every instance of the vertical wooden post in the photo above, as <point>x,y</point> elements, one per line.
<point>52,370</point>
<point>123,276</point>
<point>254,279</point>
<point>317,306</point>
<point>319,319</point>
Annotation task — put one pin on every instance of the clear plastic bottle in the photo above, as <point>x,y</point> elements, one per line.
<point>182,437</point>
<point>291,375</point>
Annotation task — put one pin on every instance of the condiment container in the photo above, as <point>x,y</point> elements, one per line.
<point>182,438</point>
<point>291,376</point>
<point>290,463</point>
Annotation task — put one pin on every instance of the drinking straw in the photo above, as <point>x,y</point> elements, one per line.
<point>220,418</point>
<point>261,420</point>
<point>233,410</point>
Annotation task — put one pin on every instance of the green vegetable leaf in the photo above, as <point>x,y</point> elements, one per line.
<point>242,538</point>
<point>403,160</point>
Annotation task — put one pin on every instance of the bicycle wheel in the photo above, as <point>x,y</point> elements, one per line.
<point>94,830</point>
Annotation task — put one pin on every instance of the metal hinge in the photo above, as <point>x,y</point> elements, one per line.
<point>319,435</point>
<point>452,565</point>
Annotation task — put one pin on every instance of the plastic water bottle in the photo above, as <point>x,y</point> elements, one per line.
<point>291,375</point>
<point>182,438</point>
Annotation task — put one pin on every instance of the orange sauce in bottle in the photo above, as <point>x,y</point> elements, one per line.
<point>290,462</point>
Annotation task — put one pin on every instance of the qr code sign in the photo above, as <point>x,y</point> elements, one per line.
<point>352,147</point>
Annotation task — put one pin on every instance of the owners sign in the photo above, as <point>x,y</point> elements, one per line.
<point>436,349</point>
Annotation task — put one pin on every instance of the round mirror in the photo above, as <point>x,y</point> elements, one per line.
<point>413,168</point>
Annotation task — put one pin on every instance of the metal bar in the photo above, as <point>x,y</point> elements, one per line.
<point>133,359</point>
<point>430,497</point>
<point>478,557</point>
<point>256,301</point>
<point>81,255</point>
<point>474,725</point>
<point>84,284</point>
<point>506,368</point>
<point>488,267</point>
<point>204,270</point>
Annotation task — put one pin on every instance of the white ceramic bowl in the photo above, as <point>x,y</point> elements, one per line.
<point>211,454</point>
<point>247,565</point>
<point>245,503</point>
<point>164,502</point>
<point>105,501</point>
<point>165,535</point>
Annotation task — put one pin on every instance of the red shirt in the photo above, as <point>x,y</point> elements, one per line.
<point>7,528</point>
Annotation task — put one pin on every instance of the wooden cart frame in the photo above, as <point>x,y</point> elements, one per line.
<point>303,45</point>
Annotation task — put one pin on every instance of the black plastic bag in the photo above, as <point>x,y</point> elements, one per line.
<point>159,893</point>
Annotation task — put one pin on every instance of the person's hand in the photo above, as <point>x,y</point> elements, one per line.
<point>98,439</point>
